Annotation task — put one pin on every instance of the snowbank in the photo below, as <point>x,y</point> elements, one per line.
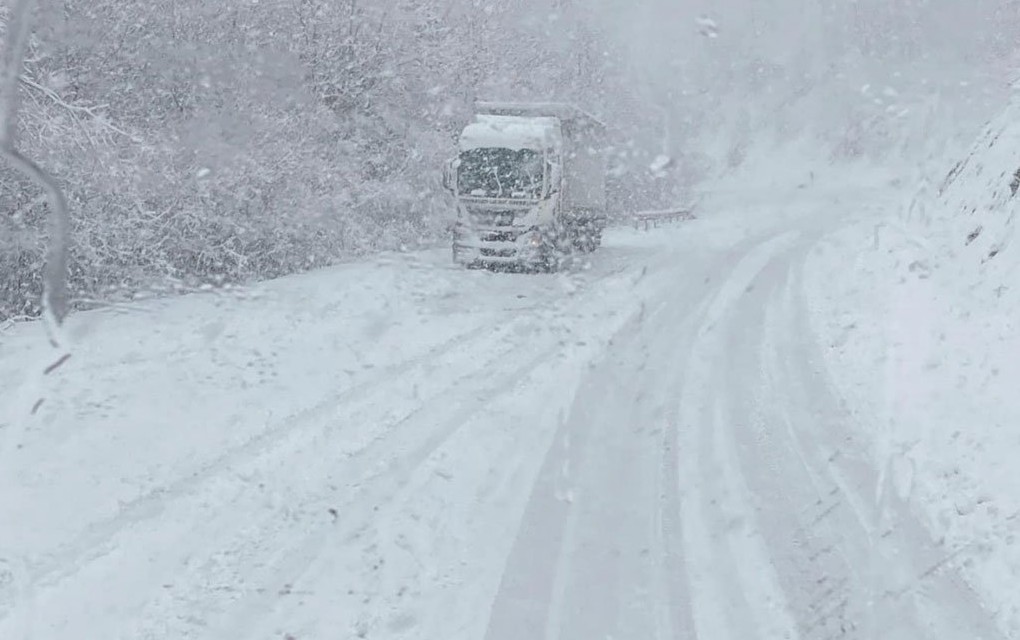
<point>923,343</point>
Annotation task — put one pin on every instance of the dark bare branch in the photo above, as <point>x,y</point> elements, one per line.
<point>18,28</point>
<point>54,298</point>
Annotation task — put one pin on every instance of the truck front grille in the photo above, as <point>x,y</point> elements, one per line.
<point>481,217</point>
<point>499,236</point>
<point>497,253</point>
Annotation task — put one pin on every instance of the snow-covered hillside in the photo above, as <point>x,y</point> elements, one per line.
<point>924,342</point>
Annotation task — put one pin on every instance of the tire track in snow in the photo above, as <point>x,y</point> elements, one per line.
<point>266,557</point>
<point>380,488</point>
<point>561,578</point>
<point>90,543</point>
<point>918,580</point>
<point>735,593</point>
<point>576,524</point>
<point>228,482</point>
<point>675,608</point>
<point>805,510</point>
<point>225,479</point>
<point>821,528</point>
<point>438,420</point>
<point>217,484</point>
<point>571,572</point>
<point>611,576</point>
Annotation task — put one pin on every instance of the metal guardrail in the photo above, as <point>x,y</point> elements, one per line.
<point>650,219</point>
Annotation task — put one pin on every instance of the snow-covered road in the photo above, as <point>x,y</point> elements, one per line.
<point>646,447</point>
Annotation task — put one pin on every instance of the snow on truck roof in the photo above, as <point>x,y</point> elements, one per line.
<point>566,113</point>
<point>511,132</point>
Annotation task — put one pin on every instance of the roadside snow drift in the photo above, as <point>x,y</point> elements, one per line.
<point>924,341</point>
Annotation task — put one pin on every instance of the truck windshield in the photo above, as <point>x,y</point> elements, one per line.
<point>501,173</point>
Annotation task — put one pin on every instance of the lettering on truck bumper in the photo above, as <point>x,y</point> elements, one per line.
<point>497,245</point>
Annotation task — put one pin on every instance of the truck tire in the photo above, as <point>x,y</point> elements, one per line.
<point>579,237</point>
<point>587,238</point>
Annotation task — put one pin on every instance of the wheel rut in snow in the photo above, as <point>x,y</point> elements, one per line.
<point>389,477</point>
<point>94,540</point>
<point>598,551</point>
<point>292,556</point>
<point>227,571</point>
<point>229,478</point>
<point>787,493</point>
<point>912,584</point>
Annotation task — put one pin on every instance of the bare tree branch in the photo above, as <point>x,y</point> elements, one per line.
<point>74,109</point>
<point>54,297</point>
<point>54,300</point>
<point>18,27</point>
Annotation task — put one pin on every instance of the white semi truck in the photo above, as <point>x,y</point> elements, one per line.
<point>530,185</point>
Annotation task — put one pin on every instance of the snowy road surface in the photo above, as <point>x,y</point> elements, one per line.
<point>645,448</point>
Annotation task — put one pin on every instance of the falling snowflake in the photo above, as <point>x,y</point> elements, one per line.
<point>708,27</point>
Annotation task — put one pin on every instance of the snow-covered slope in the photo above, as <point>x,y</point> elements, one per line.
<point>925,339</point>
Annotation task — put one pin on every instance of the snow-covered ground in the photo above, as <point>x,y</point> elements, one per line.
<point>645,446</point>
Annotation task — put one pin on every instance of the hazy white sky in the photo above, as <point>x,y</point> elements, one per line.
<point>790,64</point>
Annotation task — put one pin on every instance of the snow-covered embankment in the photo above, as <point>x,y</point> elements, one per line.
<point>919,315</point>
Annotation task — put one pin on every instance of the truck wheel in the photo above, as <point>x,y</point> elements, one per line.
<point>552,258</point>
<point>587,239</point>
<point>580,240</point>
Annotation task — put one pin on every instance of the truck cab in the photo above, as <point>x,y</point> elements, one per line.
<point>514,206</point>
